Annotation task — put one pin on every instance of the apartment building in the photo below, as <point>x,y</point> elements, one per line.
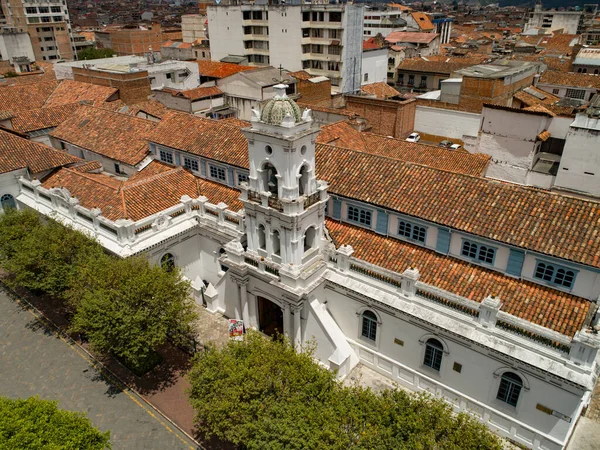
<point>322,39</point>
<point>570,22</point>
<point>48,25</point>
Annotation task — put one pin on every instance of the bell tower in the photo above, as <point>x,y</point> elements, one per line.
<point>284,202</point>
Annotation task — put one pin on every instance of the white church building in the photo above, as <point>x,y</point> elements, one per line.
<point>478,291</point>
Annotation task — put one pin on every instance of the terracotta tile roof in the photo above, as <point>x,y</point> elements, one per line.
<point>342,134</point>
<point>87,166</point>
<point>328,109</point>
<point>151,107</point>
<point>368,45</point>
<point>38,119</point>
<point>70,91</point>
<point>18,153</point>
<point>380,90</point>
<point>196,93</point>
<point>174,44</point>
<point>422,20</point>
<point>552,224</point>
<point>301,75</point>
<point>403,36</point>
<point>214,139</point>
<point>529,99</point>
<point>116,136</point>
<point>217,69</point>
<point>539,108</point>
<point>544,136</point>
<point>541,305</point>
<point>570,79</point>
<point>136,199</point>
<point>236,122</point>
<point>441,64</point>
<point>25,96</point>
<point>151,169</point>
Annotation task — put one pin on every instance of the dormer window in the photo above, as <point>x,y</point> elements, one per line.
<point>555,274</point>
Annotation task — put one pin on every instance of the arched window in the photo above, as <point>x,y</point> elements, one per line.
<point>434,351</point>
<point>584,70</point>
<point>309,238</point>
<point>595,71</point>
<point>8,201</point>
<point>303,181</point>
<point>269,177</point>
<point>167,262</point>
<point>510,388</point>
<point>469,249</point>
<point>544,271</point>
<point>262,239</point>
<point>369,325</point>
<point>276,243</point>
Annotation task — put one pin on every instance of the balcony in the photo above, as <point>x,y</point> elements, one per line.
<point>256,51</point>
<point>320,57</point>
<point>255,22</point>
<point>256,37</point>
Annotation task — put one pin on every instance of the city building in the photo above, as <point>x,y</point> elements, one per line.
<point>570,22</point>
<point>131,39</point>
<point>421,44</point>
<point>193,27</point>
<point>15,47</point>
<point>445,282</point>
<point>48,25</point>
<point>322,39</point>
<point>587,60</point>
<point>380,20</point>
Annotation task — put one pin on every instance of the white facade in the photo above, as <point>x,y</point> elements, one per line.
<point>15,44</point>
<point>550,21</point>
<point>273,266</point>
<point>321,39</point>
<point>374,66</point>
<point>382,21</point>
<point>448,123</point>
<point>579,169</point>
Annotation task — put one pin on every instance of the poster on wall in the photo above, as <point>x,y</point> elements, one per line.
<point>236,329</point>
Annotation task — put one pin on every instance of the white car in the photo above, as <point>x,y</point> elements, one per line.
<point>455,146</point>
<point>413,137</point>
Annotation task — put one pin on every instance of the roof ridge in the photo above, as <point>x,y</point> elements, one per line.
<point>152,178</point>
<point>94,179</point>
<point>110,111</point>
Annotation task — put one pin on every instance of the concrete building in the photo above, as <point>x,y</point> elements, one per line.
<point>587,61</point>
<point>15,47</point>
<point>379,20</point>
<point>436,279</point>
<point>574,86</point>
<point>48,25</point>
<point>579,169</point>
<point>131,40</point>
<point>422,44</point>
<point>206,101</point>
<point>570,22</point>
<point>321,39</point>
<point>194,27</point>
<point>374,65</point>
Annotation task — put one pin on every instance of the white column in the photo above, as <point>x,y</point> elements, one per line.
<point>238,303</point>
<point>287,320</point>
<point>298,327</point>
<point>244,301</point>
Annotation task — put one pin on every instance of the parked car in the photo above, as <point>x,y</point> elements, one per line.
<point>455,146</point>
<point>413,137</point>
<point>446,144</point>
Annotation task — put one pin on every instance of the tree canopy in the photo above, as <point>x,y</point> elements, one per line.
<point>262,394</point>
<point>95,53</point>
<point>39,424</point>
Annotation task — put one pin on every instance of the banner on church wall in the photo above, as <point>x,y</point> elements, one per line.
<point>236,329</point>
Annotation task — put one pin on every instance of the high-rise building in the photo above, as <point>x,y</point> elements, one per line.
<point>321,39</point>
<point>48,25</point>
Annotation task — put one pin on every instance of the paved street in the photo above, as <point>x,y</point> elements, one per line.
<point>35,361</point>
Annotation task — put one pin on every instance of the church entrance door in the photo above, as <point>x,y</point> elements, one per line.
<point>270,317</point>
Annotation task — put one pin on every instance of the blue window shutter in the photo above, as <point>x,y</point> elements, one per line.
<point>515,262</point>
<point>382,222</point>
<point>443,240</point>
<point>337,209</point>
<point>203,168</point>
<point>230,180</point>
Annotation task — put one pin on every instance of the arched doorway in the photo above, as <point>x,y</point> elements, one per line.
<point>270,317</point>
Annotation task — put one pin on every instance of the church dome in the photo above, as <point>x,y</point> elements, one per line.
<point>279,107</point>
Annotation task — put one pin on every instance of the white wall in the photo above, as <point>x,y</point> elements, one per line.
<point>352,20</point>
<point>15,44</point>
<point>374,64</point>
<point>285,37</point>
<point>446,122</point>
<point>108,164</point>
<point>226,31</point>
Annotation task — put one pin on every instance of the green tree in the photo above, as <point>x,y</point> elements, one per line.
<point>95,53</point>
<point>130,307</point>
<point>42,254</point>
<point>39,424</point>
<point>262,394</point>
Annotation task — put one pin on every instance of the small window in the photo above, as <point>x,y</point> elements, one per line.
<point>366,78</point>
<point>191,164</point>
<point>217,172</point>
<point>166,156</point>
<point>44,10</point>
<point>117,168</point>
<point>433,354</point>
<point>8,202</point>
<point>510,388</point>
<point>359,215</point>
<point>167,262</point>
<point>479,252</point>
<point>242,177</point>
<point>551,273</point>
<point>369,325</point>
<point>55,9</point>
<point>31,10</point>
<point>410,231</point>
<point>555,91</point>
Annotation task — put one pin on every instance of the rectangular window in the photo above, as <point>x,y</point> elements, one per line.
<point>31,10</point>
<point>411,80</point>
<point>478,252</point>
<point>366,77</point>
<point>246,15</point>
<point>334,50</point>
<point>48,39</point>
<point>335,16</point>
<point>33,20</point>
<point>423,83</point>
<point>191,164</point>
<point>117,168</point>
<point>555,274</point>
<point>411,231</point>
<point>555,91</point>
<point>306,16</point>
<point>217,172</point>
<point>166,156</point>
<point>359,215</point>
<point>46,19</point>
<point>242,177</point>
<point>575,93</point>
<point>44,10</point>
<point>55,9</point>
